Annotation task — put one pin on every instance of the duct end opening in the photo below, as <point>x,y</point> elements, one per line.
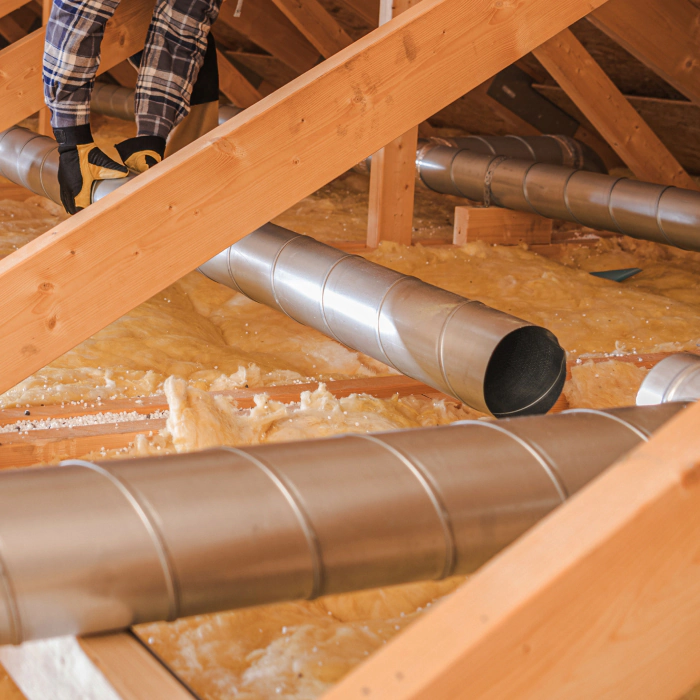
<point>525,374</point>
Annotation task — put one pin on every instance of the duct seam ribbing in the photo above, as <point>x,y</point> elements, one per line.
<point>292,497</point>
<point>143,511</point>
<point>424,479</point>
<point>17,636</point>
<point>273,267</point>
<point>658,214</point>
<point>526,197</point>
<point>549,468</point>
<point>322,302</point>
<point>530,149</point>
<point>611,214</point>
<point>642,434</point>
<point>441,346</point>
<point>378,323</point>
<point>452,164</point>
<point>230,270</point>
<point>566,198</point>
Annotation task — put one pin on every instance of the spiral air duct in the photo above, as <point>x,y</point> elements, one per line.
<point>91,547</point>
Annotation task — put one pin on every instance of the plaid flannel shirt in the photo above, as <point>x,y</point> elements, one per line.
<point>173,54</point>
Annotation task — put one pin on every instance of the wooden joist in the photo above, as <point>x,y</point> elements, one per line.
<point>234,84</point>
<point>662,34</point>
<point>108,667</point>
<point>599,600</point>
<point>91,269</point>
<point>263,23</point>
<point>53,444</point>
<point>605,106</point>
<point>319,27</point>
<point>21,89</point>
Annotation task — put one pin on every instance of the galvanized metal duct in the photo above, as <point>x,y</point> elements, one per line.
<point>91,547</point>
<point>552,149</point>
<point>117,101</point>
<point>675,378</point>
<point>490,360</point>
<point>668,215</point>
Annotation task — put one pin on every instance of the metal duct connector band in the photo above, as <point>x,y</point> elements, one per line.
<point>113,101</point>
<point>675,378</point>
<point>91,547</point>
<point>30,160</point>
<point>639,209</point>
<point>490,360</point>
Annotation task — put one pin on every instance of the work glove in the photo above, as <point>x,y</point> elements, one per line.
<point>142,152</point>
<point>80,163</point>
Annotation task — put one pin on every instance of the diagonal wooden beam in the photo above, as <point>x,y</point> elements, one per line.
<point>234,84</point>
<point>600,600</point>
<point>585,82</point>
<point>265,25</point>
<point>21,90</point>
<point>316,24</point>
<point>69,283</point>
<point>7,6</point>
<point>10,30</point>
<point>368,10</point>
<point>663,34</point>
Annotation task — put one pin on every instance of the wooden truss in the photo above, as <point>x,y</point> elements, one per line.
<point>602,599</point>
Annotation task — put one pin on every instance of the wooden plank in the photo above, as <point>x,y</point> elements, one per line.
<point>7,6</point>
<point>596,96</point>
<point>59,288</point>
<point>368,10</point>
<point>10,30</point>
<point>663,34</point>
<point>131,669</point>
<point>234,84</point>
<point>108,667</point>
<point>391,191</point>
<point>392,180</point>
<point>265,25</point>
<point>21,89</point>
<point>500,226</point>
<point>600,600</point>
<point>319,27</point>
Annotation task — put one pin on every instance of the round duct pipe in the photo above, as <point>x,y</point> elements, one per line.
<point>551,149</point>
<point>675,378</point>
<point>669,215</point>
<point>91,547</point>
<point>117,101</point>
<point>492,361</point>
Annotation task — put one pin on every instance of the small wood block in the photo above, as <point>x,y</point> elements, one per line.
<point>501,226</point>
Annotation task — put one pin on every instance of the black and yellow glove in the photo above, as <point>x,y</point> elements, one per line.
<point>141,152</point>
<point>80,163</point>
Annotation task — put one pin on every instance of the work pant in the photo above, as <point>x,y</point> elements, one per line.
<point>169,65</point>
